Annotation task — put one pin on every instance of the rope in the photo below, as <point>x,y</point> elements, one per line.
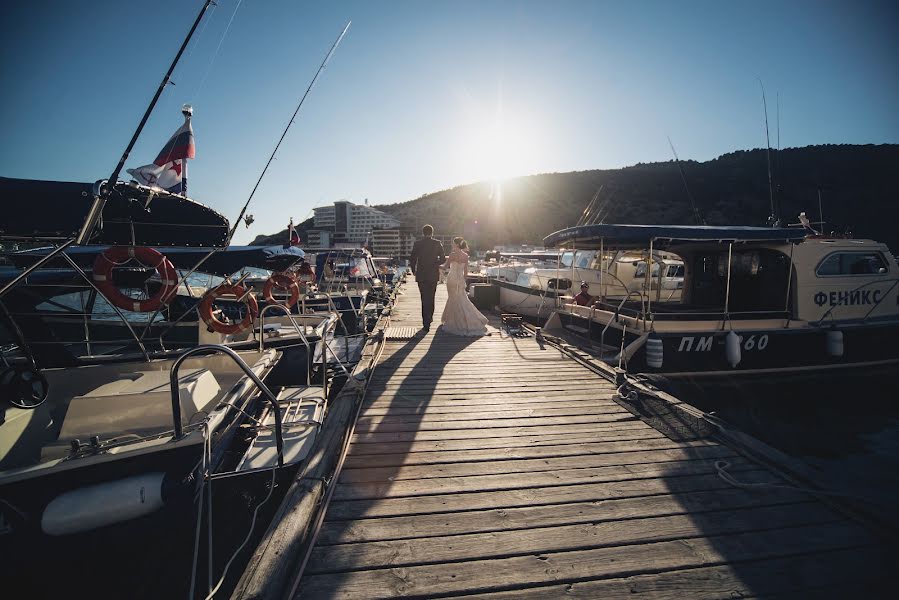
<point>246,539</point>
<point>721,467</point>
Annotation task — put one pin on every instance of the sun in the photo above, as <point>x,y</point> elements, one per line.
<point>496,149</point>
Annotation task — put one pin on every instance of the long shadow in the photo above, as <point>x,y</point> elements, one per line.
<point>766,536</point>
<point>416,390</point>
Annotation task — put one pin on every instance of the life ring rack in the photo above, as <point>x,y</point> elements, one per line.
<point>116,256</point>
<point>283,281</point>
<point>238,291</point>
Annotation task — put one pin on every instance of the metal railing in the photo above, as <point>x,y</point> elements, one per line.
<point>602,336</point>
<point>266,393</point>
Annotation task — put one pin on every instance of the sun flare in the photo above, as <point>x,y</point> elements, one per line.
<point>496,149</point>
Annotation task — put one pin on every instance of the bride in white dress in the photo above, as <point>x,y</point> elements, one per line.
<point>460,316</point>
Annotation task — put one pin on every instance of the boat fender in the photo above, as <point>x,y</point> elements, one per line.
<point>834,342</point>
<point>115,256</point>
<point>732,348</point>
<point>654,351</point>
<point>282,281</point>
<point>206,311</point>
<point>93,506</point>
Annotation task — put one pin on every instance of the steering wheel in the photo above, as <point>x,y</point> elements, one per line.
<point>24,387</point>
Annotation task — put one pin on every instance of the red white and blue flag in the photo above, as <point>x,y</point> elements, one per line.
<point>168,170</point>
<point>294,236</point>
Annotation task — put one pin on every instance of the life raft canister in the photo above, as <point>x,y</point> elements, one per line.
<point>116,256</point>
<point>206,311</point>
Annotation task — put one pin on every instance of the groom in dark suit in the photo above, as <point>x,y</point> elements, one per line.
<point>427,256</point>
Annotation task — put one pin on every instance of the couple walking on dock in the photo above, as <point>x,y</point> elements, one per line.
<point>460,317</point>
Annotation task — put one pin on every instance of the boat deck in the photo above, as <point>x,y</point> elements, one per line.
<point>500,466</point>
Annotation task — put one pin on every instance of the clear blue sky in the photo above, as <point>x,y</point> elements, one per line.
<point>423,96</point>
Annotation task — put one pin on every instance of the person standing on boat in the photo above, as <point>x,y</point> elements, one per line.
<point>427,256</point>
<point>584,298</point>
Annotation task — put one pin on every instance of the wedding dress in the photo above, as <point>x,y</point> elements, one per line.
<point>460,316</point>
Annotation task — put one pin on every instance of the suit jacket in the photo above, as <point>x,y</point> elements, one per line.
<point>427,256</point>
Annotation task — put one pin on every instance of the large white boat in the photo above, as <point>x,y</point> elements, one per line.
<point>535,288</point>
<point>758,306</point>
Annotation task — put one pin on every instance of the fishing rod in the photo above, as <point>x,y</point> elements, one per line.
<point>696,214</point>
<point>165,81</point>
<point>284,133</point>
<point>588,210</point>
<point>773,218</point>
<point>93,217</point>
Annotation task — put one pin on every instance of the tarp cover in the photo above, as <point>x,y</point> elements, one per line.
<point>639,236</point>
<point>56,210</point>
<point>223,262</point>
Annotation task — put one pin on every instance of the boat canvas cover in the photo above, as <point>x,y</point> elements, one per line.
<point>224,262</point>
<point>640,236</point>
<point>56,210</point>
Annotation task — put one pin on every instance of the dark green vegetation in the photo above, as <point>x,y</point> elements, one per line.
<point>857,186</point>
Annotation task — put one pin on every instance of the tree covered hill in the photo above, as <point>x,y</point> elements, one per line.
<point>856,183</point>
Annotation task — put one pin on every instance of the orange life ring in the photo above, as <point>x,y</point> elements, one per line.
<point>283,281</point>
<point>237,291</point>
<point>116,256</point>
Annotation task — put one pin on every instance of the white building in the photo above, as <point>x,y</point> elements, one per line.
<point>352,222</point>
<point>395,242</point>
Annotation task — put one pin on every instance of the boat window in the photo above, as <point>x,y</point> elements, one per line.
<point>852,263</point>
<point>567,257</point>
<point>582,261</point>
<point>561,284</point>
<point>640,271</point>
<point>71,302</point>
<point>675,270</point>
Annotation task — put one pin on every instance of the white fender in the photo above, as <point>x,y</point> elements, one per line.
<point>102,504</point>
<point>732,348</point>
<point>834,343</point>
<point>655,351</point>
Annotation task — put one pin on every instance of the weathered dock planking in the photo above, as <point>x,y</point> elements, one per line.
<point>500,467</point>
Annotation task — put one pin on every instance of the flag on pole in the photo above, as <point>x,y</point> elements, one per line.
<point>294,237</point>
<point>167,171</point>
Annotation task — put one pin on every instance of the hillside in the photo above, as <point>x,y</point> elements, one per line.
<point>857,186</point>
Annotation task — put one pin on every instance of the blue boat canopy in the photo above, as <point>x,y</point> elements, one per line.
<point>224,262</point>
<point>639,236</point>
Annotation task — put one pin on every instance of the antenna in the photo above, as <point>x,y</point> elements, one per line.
<point>820,210</point>
<point>772,219</point>
<point>696,213</point>
<point>778,121</point>
<point>284,134</point>
<point>588,210</point>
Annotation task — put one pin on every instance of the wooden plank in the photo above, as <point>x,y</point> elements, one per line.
<point>537,495</point>
<point>561,538</point>
<point>426,415</point>
<point>522,571</point>
<point>529,517</point>
<point>468,399</point>
<point>364,425</point>
<point>574,448</point>
<point>506,481</point>
<point>477,409</point>
<point>531,465</point>
<point>836,571</point>
<point>464,434</point>
<point>459,366</point>
<point>555,439</point>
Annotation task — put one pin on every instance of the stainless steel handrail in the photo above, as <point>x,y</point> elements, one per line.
<point>267,393</point>
<point>602,336</point>
<point>295,326</point>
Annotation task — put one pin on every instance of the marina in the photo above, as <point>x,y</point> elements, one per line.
<point>507,466</point>
<point>626,379</point>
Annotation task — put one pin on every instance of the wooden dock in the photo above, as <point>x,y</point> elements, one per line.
<point>499,466</point>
